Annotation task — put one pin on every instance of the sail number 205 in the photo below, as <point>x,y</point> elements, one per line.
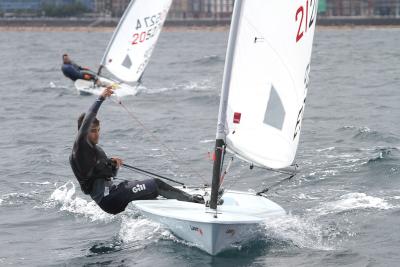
<point>146,28</point>
<point>305,17</point>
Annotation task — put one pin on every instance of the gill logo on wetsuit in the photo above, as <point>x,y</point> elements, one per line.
<point>138,188</point>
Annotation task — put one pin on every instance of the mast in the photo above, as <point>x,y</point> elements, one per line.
<point>221,133</point>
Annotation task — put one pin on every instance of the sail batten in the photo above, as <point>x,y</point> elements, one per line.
<point>268,80</point>
<point>134,39</point>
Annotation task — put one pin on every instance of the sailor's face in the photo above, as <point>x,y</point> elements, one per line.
<point>66,59</point>
<point>94,135</point>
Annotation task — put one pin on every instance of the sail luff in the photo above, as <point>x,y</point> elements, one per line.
<point>121,21</point>
<point>221,133</point>
<point>133,42</point>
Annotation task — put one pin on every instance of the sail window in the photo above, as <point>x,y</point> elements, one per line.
<point>127,63</point>
<point>275,113</point>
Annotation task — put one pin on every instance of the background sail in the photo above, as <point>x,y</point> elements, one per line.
<point>269,80</point>
<point>133,41</point>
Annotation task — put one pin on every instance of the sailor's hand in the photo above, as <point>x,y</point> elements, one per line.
<point>118,162</point>
<point>108,91</point>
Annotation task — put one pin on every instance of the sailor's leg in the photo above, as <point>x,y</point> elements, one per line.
<point>171,192</point>
<point>127,191</point>
<point>89,75</point>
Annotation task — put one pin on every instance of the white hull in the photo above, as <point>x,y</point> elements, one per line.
<point>89,88</point>
<point>237,221</point>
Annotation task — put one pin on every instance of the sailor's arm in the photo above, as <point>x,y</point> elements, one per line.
<point>92,112</point>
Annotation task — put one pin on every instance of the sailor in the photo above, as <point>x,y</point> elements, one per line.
<point>94,170</point>
<point>75,72</point>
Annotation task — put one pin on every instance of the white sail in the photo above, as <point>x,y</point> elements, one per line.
<point>134,39</point>
<point>268,79</point>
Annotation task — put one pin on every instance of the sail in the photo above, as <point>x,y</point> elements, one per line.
<point>268,79</point>
<point>133,41</point>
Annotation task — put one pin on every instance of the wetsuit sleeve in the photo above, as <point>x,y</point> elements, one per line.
<point>89,118</point>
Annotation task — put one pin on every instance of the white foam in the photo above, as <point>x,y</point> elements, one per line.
<point>16,198</point>
<point>159,90</point>
<point>304,196</point>
<point>364,129</point>
<point>15,195</point>
<point>36,183</point>
<point>302,233</point>
<point>196,86</point>
<point>138,229</point>
<point>326,149</point>
<point>139,232</point>
<point>353,201</point>
<point>65,196</point>
<point>207,141</point>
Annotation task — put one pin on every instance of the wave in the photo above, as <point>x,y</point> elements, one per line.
<point>188,86</point>
<point>52,87</point>
<point>383,154</point>
<point>326,149</point>
<point>351,202</point>
<point>12,199</point>
<point>204,61</point>
<point>64,197</point>
<point>36,183</point>
<point>365,133</point>
<point>209,60</point>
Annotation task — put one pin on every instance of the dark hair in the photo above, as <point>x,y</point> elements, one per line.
<point>95,122</point>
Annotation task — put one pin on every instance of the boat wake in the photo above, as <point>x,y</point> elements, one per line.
<point>186,86</point>
<point>291,230</point>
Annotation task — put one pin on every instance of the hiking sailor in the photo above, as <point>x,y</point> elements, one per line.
<point>94,170</point>
<point>74,71</point>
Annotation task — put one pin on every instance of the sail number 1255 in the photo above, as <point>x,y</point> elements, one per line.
<point>305,16</point>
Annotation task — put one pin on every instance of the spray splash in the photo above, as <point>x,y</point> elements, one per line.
<point>296,231</point>
<point>65,196</point>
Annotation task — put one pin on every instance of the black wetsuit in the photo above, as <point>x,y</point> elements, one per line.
<point>75,72</point>
<point>94,171</point>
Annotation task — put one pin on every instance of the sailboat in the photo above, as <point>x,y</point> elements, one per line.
<point>130,48</point>
<point>264,89</point>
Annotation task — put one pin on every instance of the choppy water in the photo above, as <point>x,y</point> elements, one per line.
<point>344,206</point>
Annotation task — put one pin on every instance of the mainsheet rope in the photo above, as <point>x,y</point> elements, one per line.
<point>118,101</point>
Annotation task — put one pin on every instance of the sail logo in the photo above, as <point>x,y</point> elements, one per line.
<point>138,188</point>
<point>196,229</point>
<point>301,112</point>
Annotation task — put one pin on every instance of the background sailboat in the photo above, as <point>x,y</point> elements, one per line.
<point>262,104</point>
<point>130,47</point>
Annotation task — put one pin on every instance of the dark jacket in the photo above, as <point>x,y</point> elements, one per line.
<point>72,71</point>
<point>89,162</point>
